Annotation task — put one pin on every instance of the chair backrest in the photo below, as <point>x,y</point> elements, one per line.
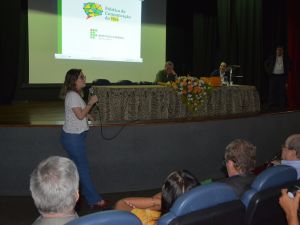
<point>270,178</point>
<point>211,202</point>
<point>110,217</point>
<point>261,201</point>
<point>101,82</point>
<point>124,82</point>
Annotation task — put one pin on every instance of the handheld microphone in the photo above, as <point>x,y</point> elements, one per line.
<point>91,91</point>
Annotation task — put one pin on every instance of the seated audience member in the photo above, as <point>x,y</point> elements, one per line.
<point>149,210</point>
<point>54,189</point>
<point>167,74</point>
<point>290,207</point>
<point>240,159</point>
<point>221,72</point>
<point>290,153</point>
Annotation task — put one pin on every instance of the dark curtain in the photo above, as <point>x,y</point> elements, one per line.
<point>10,44</point>
<point>205,44</point>
<point>294,53</point>
<point>249,39</point>
<point>227,35</point>
<point>232,35</point>
<point>178,38</point>
<point>274,34</point>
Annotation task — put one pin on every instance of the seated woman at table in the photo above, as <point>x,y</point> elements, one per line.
<point>167,74</point>
<point>149,209</point>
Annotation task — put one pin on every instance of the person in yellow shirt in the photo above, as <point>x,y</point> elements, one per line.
<point>150,209</point>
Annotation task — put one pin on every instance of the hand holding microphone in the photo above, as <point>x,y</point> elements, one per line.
<point>93,98</point>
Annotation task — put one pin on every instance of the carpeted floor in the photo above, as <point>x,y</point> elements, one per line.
<point>21,210</point>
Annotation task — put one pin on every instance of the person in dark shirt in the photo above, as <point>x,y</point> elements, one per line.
<point>240,159</point>
<point>277,66</point>
<point>222,72</point>
<point>167,74</point>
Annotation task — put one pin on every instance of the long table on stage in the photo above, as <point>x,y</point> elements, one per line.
<point>151,102</point>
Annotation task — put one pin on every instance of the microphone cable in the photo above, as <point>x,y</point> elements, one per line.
<point>117,133</point>
<point>91,91</point>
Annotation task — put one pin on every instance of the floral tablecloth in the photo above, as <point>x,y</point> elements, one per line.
<point>152,102</point>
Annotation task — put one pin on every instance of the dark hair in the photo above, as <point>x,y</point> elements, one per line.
<point>70,80</point>
<point>177,183</point>
<point>169,63</point>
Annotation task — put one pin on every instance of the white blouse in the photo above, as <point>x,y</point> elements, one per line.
<point>72,123</point>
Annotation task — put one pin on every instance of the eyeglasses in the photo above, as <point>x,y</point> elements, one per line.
<point>224,162</point>
<point>284,146</point>
<point>82,77</point>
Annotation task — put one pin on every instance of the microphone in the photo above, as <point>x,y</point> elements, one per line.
<point>91,91</point>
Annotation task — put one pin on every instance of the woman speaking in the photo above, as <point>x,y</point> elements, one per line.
<point>74,132</point>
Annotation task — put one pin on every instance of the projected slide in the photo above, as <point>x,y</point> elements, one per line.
<point>89,35</point>
<point>105,30</point>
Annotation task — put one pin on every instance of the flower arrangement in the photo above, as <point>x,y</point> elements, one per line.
<point>192,91</point>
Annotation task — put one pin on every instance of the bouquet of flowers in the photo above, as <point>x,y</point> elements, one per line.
<point>192,91</point>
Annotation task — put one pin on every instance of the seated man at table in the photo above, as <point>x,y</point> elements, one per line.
<point>221,72</point>
<point>167,74</point>
<point>240,159</point>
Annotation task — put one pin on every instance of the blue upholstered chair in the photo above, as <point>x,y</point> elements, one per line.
<point>110,217</point>
<point>261,201</point>
<point>214,203</point>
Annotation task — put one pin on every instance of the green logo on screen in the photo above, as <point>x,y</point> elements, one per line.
<point>92,9</point>
<point>93,33</point>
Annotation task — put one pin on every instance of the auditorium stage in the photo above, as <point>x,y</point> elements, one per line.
<point>141,154</point>
<point>26,113</point>
<point>51,113</point>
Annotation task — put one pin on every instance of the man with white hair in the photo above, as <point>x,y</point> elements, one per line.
<point>290,153</point>
<point>54,188</point>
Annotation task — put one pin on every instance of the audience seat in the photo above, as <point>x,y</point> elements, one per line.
<point>110,217</point>
<point>214,204</point>
<point>261,201</point>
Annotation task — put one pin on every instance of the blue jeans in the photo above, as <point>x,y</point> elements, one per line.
<point>75,146</point>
